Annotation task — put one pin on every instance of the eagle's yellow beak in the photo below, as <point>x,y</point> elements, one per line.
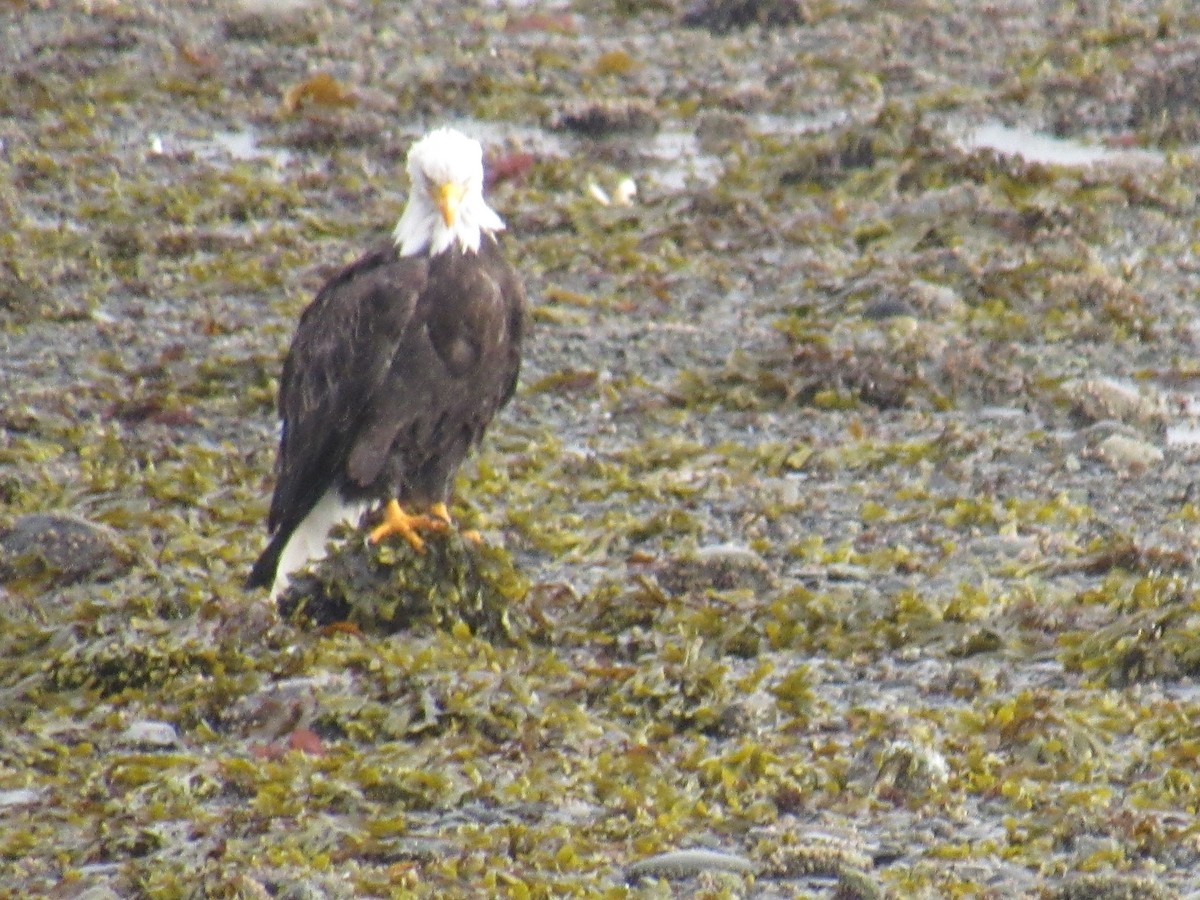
<point>447,197</point>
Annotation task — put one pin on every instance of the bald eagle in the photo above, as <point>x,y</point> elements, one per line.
<point>397,368</point>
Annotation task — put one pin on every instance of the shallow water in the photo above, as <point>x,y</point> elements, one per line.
<point>1045,149</point>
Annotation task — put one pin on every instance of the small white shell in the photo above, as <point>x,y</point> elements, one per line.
<point>598,194</point>
<point>625,193</point>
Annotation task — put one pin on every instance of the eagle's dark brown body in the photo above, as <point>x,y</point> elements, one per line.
<point>395,372</point>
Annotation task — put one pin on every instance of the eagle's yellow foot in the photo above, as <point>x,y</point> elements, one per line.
<point>397,521</point>
<point>441,512</point>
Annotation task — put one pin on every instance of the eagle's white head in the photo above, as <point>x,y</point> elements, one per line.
<point>446,204</point>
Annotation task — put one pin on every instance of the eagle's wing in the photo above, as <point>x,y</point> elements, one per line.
<point>513,291</point>
<point>344,346</point>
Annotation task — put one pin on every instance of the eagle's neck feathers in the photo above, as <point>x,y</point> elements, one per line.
<point>446,207</point>
<point>421,228</point>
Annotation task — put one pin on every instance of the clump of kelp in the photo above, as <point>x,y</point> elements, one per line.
<point>391,586</point>
<point>1150,632</point>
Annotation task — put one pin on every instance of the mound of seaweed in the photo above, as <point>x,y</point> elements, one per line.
<point>390,587</point>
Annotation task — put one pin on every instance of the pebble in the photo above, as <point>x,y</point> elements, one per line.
<point>685,863</point>
<point>151,734</point>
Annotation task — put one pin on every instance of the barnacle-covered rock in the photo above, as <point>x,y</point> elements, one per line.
<point>830,856</point>
<point>817,853</point>
<point>1096,399</point>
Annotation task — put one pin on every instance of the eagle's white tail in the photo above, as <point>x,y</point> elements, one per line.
<point>307,543</point>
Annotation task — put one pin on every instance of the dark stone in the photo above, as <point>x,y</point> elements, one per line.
<point>59,549</point>
<point>723,16</point>
<point>601,118</point>
<point>887,308</point>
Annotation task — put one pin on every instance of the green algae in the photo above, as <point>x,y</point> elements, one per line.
<point>596,684</point>
<point>392,587</point>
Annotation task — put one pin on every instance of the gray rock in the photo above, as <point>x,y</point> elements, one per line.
<point>61,549</point>
<point>150,734</point>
